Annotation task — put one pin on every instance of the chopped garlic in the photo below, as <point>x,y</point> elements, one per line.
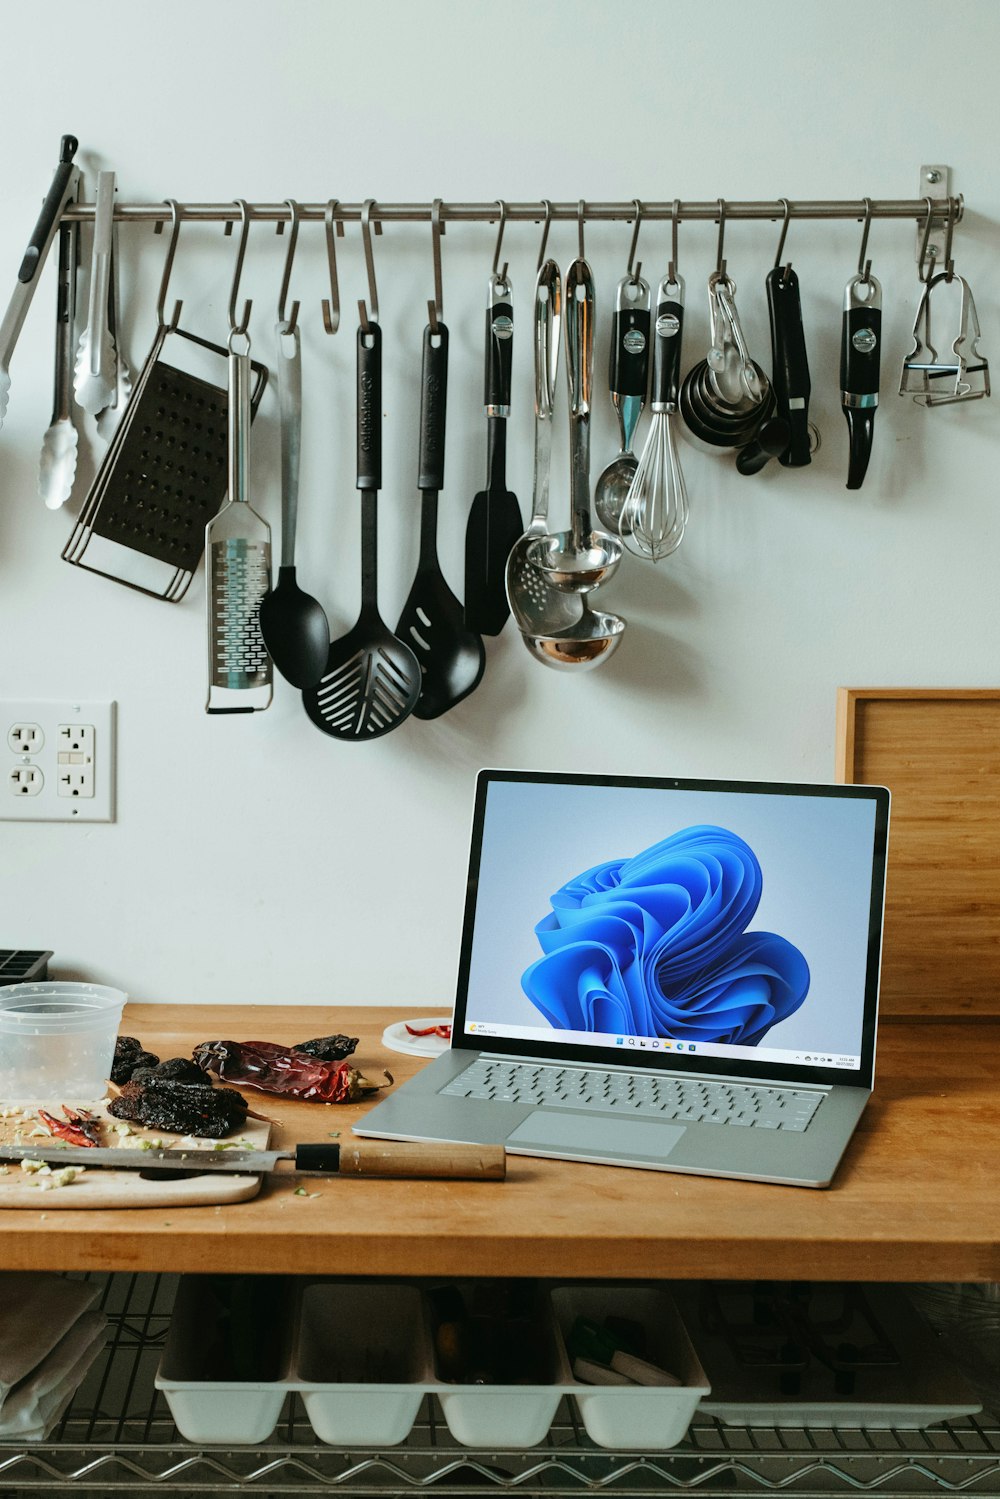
<point>35,1168</point>
<point>122,1129</point>
<point>61,1178</point>
<point>4,1170</point>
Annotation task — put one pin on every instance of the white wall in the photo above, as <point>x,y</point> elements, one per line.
<point>254,859</point>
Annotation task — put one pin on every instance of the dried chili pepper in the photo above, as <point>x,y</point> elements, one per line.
<point>81,1128</point>
<point>444,1031</point>
<point>282,1069</point>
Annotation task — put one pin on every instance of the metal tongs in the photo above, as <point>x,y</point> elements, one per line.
<point>967,372</point>
<point>733,372</point>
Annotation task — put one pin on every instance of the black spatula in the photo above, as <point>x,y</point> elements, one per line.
<point>372,680</point>
<point>432,623</point>
<point>495,518</point>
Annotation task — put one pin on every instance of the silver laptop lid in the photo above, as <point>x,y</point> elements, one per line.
<point>723,926</point>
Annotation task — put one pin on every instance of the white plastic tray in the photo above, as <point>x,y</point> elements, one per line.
<point>644,1418</point>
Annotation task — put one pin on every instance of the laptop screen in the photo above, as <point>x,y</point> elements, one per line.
<point>727,927</point>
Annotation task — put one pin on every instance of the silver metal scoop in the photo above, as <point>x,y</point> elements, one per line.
<point>96,360</point>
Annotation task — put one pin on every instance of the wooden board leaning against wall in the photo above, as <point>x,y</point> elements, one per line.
<point>938,751</point>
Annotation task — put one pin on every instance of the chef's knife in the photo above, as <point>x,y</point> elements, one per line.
<point>63,189</point>
<point>354,1158</point>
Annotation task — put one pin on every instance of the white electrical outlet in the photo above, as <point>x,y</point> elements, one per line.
<point>60,762</point>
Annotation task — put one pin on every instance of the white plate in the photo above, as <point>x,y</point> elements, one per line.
<point>398,1038</point>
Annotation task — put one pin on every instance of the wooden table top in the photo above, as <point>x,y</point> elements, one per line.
<point>917,1196</point>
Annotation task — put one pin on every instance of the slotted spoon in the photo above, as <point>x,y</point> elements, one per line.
<point>372,680</point>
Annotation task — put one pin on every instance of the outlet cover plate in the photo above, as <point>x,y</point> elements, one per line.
<point>50,717</point>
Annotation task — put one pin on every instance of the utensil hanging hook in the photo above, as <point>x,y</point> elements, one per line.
<point>239,328</point>
<point>580,215</point>
<point>674,221</point>
<point>865,266</point>
<point>720,264</point>
<point>924,256</point>
<point>435,309</point>
<point>168,265</point>
<point>366,235</point>
<point>545,232</point>
<point>787,207</point>
<point>331,304</point>
<point>287,324</point>
<point>500,277</point>
<point>949,264</point>
<point>633,275</point>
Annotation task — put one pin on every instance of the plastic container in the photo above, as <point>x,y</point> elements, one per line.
<point>639,1418</point>
<point>501,1412</point>
<point>225,1368</point>
<point>363,1362</point>
<point>57,1041</point>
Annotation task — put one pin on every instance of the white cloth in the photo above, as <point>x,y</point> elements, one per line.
<point>33,1407</point>
<point>37,1309</point>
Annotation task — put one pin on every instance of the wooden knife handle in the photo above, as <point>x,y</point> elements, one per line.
<point>409,1158</point>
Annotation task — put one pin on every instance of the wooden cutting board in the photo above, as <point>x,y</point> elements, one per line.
<point>105,1188</point>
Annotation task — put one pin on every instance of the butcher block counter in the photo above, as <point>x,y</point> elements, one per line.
<point>917,1196</point>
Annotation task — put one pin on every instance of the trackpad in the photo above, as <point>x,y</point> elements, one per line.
<point>546,1129</point>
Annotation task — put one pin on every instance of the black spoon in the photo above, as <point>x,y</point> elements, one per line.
<point>292,622</point>
<point>372,680</point>
<point>495,518</point>
<point>452,658</point>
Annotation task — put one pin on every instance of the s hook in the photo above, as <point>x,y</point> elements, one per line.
<point>168,265</point>
<point>366,235</point>
<point>331,304</point>
<point>720,264</point>
<point>675,218</point>
<point>786,206</point>
<point>499,277</point>
<point>634,274</point>
<point>239,329</point>
<point>865,266</point>
<point>580,217</point>
<point>288,324</point>
<point>435,308</point>
<point>546,204</point>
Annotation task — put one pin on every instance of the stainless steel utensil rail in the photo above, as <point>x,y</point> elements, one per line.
<point>592,212</point>
<point>117,1438</point>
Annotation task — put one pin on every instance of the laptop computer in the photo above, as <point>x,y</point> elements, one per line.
<point>677,975</point>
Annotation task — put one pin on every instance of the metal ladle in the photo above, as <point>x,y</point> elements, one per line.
<point>580,559</point>
<point>537,605</point>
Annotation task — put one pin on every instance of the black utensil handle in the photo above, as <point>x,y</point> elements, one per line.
<point>323,1157</point>
<point>370,407</point>
<point>860,352</point>
<point>667,336</point>
<point>628,369</point>
<point>55,200</point>
<point>499,349</point>
<point>433,406</point>
<point>790,376</point>
<point>860,430</point>
<point>770,442</point>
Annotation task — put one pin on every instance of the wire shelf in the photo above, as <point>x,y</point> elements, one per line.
<point>117,1437</point>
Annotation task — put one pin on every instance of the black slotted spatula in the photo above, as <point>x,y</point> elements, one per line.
<point>372,680</point>
<point>432,623</point>
<point>495,518</point>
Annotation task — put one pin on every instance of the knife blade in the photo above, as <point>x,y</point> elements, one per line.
<point>388,1158</point>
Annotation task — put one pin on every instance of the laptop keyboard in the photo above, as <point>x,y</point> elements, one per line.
<point>688,1100</point>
